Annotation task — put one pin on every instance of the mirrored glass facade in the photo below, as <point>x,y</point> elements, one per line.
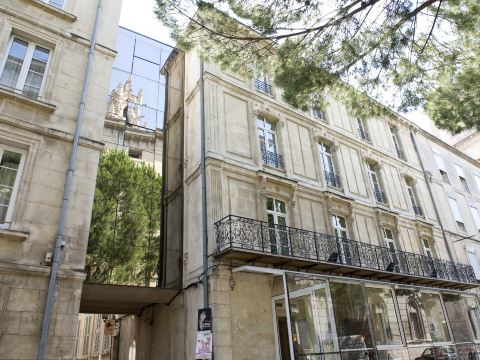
<point>140,59</point>
<point>350,320</point>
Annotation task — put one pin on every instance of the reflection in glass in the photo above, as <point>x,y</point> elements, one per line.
<point>125,45</point>
<point>473,315</point>
<point>393,354</point>
<point>148,49</point>
<point>386,330</point>
<point>435,317</point>
<point>146,69</point>
<point>351,316</point>
<point>458,317</point>
<point>412,315</point>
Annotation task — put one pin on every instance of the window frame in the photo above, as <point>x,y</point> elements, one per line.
<point>56,7</point>
<point>277,231</point>
<point>362,130</point>
<point>397,144</point>
<point>27,60</point>
<point>334,220</point>
<point>13,197</point>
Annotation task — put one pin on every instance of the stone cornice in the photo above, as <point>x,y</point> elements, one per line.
<point>35,104</point>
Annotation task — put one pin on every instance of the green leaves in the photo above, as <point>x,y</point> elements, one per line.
<point>123,243</point>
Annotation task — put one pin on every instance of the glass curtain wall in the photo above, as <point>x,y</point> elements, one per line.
<point>361,320</point>
<point>140,59</point>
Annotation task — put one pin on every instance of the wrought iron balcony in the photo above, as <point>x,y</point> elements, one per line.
<point>363,135</point>
<point>332,179</point>
<point>272,159</point>
<point>263,87</point>
<point>418,210</point>
<point>246,239</point>
<point>380,197</point>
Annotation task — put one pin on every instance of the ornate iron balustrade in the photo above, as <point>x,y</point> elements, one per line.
<point>332,179</point>
<point>417,210</point>
<point>272,159</point>
<point>235,232</point>
<point>263,87</point>
<point>363,135</point>
<point>380,196</point>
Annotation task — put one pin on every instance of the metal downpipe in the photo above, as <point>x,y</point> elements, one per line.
<point>59,242</point>
<point>204,189</point>
<point>437,213</point>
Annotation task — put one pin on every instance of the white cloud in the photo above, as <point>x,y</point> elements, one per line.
<point>137,15</point>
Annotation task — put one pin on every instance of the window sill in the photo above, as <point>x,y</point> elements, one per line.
<point>53,10</point>
<point>40,105</point>
<point>13,235</point>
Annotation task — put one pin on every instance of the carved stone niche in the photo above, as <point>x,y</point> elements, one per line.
<point>424,230</point>
<point>338,206</point>
<point>386,219</point>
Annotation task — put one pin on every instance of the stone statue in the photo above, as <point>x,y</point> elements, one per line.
<point>123,104</point>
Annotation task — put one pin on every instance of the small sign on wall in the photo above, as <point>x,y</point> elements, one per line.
<point>204,334</point>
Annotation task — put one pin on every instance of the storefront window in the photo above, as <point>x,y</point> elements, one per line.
<point>458,317</point>
<point>413,316</point>
<point>351,318</point>
<point>473,315</point>
<point>386,330</point>
<point>436,318</point>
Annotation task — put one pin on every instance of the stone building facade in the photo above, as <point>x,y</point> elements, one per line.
<point>328,236</point>
<point>43,51</point>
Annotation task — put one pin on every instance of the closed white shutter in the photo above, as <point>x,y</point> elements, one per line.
<point>459,171</point>
<point>475,215</point>
<point>456,211</point>
<point>472,258</point>
<point>439,161</point>
<point>477,181</point>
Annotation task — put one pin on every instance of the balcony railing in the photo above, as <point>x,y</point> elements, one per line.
<point>380,197</point>
<point>272,159</point>
<point>332,179</point>
<point>363,135</point>
<point>263,87</point>
<point>417,210</point>
<point>258,237</point>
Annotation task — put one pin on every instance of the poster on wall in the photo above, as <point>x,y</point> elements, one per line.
<point>204,334</point>
<point>204,345</point>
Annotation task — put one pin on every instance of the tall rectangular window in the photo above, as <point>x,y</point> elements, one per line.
<point>11,163</point>
<point>413,197</point>
<point>326,156</point>
<point>24,68</point>
<point>277,226</point>
<point>427,248</point>
<point>378,194</point>
<point>441,166</point>
<point>362,130</point>
<point>396,142</point>
<point>475,215</point>
<point>461,176</point>
<point>456,213</point>
<point>268,142</point>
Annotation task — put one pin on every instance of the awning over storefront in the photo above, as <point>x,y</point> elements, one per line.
<point>121,299</point>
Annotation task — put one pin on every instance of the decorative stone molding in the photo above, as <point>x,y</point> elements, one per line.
<point>386,219</point>
<point>424,230</point>
<point>53,10</point>
<point>266,110</point>
<point>338,206</point>
<point>13,235</point>
<point>118,104</point>
<point>35,104</point>
<point>277,187</point>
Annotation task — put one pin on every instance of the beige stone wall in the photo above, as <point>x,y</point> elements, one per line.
<point>43,130</point>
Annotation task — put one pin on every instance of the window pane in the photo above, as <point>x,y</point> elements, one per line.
<point>14,63</point>
<point>436,317</point>
<point>146,69</point>
<point>473,316</point>
<point>125,45</point>
<point>280,206</point>
<point>458,317</point>
<point>412,316</point>
<point>385,326</point>
<point>3,213</point>
<point>351,316</point>
<point>270,204</point>
<point>56,3</point>
<point>10,159</point>
<point>5,194</point>
<point>36,71</point>
<point>147,49</point>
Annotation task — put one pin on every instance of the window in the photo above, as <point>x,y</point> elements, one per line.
<point>277,226</point>
<point>435,317</point>
<point>441,166</point>
<point>456,213</point>
<point>362,130</point>
<point>477,181</point>
<point>475,215</point>
<point>86,335</point>
<point>268,143</point>
<point>24,68</point>
<point>11,164</point>
<point>396,142</point>
<point>461,176</point>
<point>331,178</point>
<point>375,182</point>
<point>135,154</point>
<point>427,248</point>
<point>413,198</point>
<point>55,3</point>
<point>339,226</point>
<point>319,114</point>
<point>473,260</point>
<point>390,244</point>
<point>262,84</point>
